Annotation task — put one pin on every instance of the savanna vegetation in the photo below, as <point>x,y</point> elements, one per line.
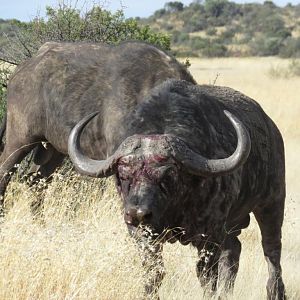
<point>217,28</point>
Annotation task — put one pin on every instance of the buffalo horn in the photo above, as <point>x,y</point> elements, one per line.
<point>85,165</point>
<point>201,166</point>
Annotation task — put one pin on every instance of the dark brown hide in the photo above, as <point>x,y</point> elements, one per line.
<point>205,209</point>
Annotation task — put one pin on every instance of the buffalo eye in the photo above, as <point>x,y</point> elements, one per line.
<point>168,176</point>
<point>125,186</point>
<point>124,179</point>
<point>167,172</point>
<point>124,172</point>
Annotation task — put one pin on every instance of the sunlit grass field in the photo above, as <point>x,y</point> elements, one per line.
<point>79,248</point>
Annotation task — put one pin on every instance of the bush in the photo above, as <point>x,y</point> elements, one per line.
<point>274,26</point>
<point>228,34</point>
<point>180,37</point>
<point>291,48</point>
<point>195,24</point>
<point>265,46</point>
<point>215,8</point>
<point>199,43</point>
<point>211,31</point>
<point>208,47</point>
<point>214,49</point>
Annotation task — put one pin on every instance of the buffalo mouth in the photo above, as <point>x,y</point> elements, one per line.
<point>145,232</point>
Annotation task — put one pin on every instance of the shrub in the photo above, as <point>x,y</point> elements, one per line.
<point>198,43</point>
<point>274,26</point>
<point>266,46</point>
<point>291,48</point>
<point>208,47</point>
<point>211,31</point>
<point>180,37</point>
<point>214,8</point>
<point>195,24</point>
<point>214,49</point>
<point>228,34</point>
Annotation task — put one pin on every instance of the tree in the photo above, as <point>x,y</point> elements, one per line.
<point>174,6</point>
<point>215,7</point>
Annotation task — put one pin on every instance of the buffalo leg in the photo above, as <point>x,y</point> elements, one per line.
<point>46,162</point>
<point>153,264</point>
<point>270,222</point>
<point>152,261</point>
<point>229,262</point>
<point>207,266</point>
<point>12,154</point>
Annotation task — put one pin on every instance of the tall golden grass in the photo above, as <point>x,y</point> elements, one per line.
<point>79,248</point>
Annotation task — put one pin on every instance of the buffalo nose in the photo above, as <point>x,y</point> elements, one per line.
<point>134,216</point>
<point>143,213</point>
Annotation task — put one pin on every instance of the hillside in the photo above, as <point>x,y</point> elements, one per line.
<point>223,28</point>
<point>211,28</point>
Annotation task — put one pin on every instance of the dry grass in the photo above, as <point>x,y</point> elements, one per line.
<point>80,248</point>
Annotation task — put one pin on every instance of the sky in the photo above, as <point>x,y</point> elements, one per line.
<point>26,10</point>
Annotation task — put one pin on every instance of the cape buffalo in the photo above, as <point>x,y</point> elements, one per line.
<point>184,162</point>
<point>190,161</point>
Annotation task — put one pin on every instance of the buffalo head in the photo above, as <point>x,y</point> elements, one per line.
<point>151,170</point>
